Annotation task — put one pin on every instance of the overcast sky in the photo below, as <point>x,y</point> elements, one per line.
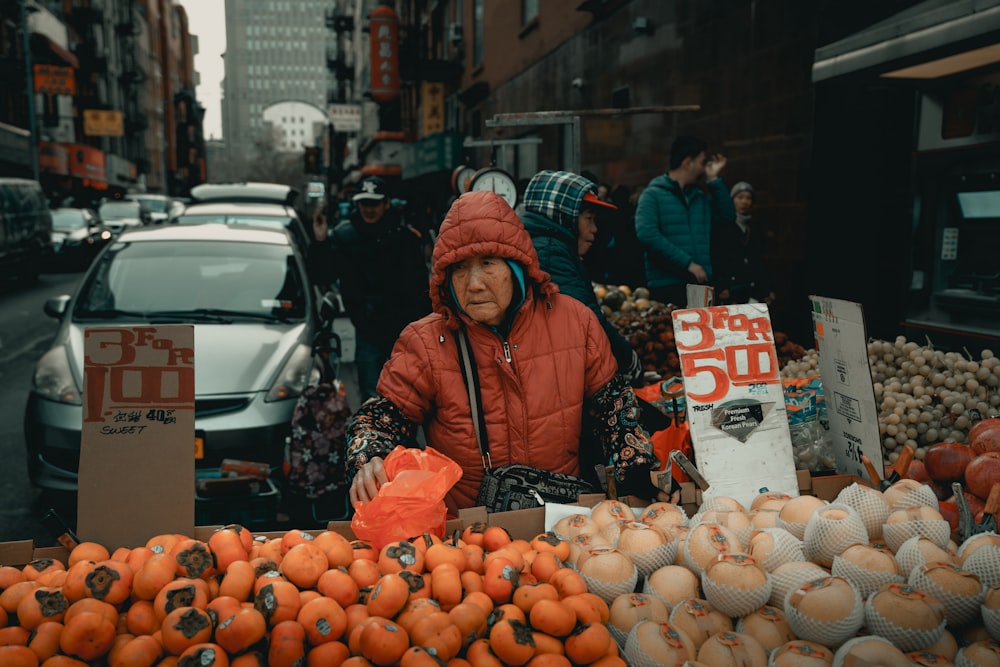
<point>207,20</point>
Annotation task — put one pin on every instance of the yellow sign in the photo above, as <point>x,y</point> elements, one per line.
<point>102,123</point>
<point>53,80</point>
<point>431,108</point>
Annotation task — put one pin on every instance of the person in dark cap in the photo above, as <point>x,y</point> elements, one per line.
<point>378,261</point>
<point>740,274</point>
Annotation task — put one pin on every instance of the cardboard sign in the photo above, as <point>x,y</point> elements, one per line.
<point>736,406</point>
<point>700,296</point>
<point>137,451</point>
<point>842,344</point>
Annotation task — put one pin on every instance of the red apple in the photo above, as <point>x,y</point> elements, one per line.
<point>917,471</point>
<point>982,426</point>
<point>982,473</point>
<point>946,461</point>
<point>986,439</point>
<point>949,510</point>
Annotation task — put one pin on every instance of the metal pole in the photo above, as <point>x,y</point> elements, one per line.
<point>29,77</point>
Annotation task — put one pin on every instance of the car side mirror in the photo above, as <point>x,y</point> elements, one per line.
<point>56,306</point>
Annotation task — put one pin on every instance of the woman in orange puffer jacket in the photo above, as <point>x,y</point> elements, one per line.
<point>541,359</point>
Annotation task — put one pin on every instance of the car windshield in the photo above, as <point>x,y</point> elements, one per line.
<point>68,218</point>
<point>194,281</point>
<point>270,222</point>
<point>119,209</point>
<point>153,204</point>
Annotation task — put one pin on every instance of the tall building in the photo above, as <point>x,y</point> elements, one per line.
<point>275,52</point>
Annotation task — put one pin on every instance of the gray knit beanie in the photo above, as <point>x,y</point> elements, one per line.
<point>742,186</point>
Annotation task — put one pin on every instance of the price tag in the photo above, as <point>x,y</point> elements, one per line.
<point>736,405</point>
<point>847,384</point>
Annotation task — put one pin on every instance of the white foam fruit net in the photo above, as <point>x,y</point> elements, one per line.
<point>984,562</point>
<point>647,589</point>
<point>830,632</point>
<point>710,539</point>
<point>608,591</point>
<point>646,562</point>
<point>844,652</point>
<point>826,537</point>
<point>937,531</point>
<point>910,556</point>
<point>959,608</point>
<point>906,639</point>
<point>799,652</point>
<point>785,548</point>
<point>870,506</point>
<point>921,495</point>
<point>964,659</point>
<point>735,602</point>
<point>700,619</point>
<point>675,641</point>
<point>866,581</point>
<point>791,576</point>
<point>991,621</point>
<point>769,627</point>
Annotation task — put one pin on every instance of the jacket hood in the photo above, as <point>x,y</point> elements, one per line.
<point>558,195</point>
<point>481,223</point>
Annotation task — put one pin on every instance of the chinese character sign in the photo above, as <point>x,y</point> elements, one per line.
<point>736,406</point>
<point>384,41</point>
<point>136,475</point>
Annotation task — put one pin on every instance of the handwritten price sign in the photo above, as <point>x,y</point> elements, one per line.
<point>736,405</point>
<point>137,450</point>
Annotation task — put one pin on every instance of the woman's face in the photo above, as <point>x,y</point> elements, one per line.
<point>586,231</point>
<point>742,202</point>
<point>484,287</point>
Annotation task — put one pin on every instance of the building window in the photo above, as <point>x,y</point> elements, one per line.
<point>477,29</point>
<point>529,11</point>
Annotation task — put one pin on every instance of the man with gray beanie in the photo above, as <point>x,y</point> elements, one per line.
<point>738,255</point>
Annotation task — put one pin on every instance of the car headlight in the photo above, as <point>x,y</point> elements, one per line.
<point>298,373</point>
<point>54,380</point>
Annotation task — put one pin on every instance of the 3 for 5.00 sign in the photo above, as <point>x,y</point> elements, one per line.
<point>736,407</point>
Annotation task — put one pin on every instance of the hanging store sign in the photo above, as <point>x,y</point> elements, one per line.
<point>87,163</point>
<point>345,117</point>
<point>736,405</point>
<point>53,158</point>
<point>431,108</point>
<point>54,80</point>
<point>103,123</point>
<point>384,39</point>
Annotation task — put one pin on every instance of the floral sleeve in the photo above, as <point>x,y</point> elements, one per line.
<point>626,443</point>
<point>375,430</point>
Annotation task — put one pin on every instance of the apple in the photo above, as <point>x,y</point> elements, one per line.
<point>949,510</point>
<point>985,436</point>
<point>982,426</point>
<point>946,461</point>
<point>917,471</point>
<point>982,473</point>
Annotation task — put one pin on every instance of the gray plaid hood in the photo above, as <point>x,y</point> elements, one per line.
<point>558,195</point>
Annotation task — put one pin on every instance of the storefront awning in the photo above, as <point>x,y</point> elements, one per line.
<point>15,145</point>
<point>932,39</point>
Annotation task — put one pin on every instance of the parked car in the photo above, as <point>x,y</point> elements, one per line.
<point>245,291</point>
<point>118,214</point>
<point>25,228</point>
<point>77,236</point>
<point>157,206</point>
<point>250,203</point>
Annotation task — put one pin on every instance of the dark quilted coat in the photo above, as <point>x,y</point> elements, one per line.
<point>533,404</point>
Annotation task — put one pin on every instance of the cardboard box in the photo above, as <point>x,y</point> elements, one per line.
<point>521,524</point>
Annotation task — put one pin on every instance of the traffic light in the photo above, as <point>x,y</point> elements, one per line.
<point>312,160</point>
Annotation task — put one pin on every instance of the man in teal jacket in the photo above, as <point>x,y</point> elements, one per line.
<point>674,218</point>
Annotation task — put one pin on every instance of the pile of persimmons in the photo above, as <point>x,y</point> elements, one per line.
<point>306,598</point>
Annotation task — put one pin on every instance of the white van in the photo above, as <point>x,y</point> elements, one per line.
<point>25,228</point>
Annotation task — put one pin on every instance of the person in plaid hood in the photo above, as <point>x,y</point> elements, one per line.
<point>560,214</point>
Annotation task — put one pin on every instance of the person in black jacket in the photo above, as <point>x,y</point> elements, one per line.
<point>740,274</point>
<point>379,262</point>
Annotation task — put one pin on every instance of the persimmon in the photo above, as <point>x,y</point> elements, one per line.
<point>140,619</point>
<point>266,578</point>
<point>205,654</point>
<point>500,580</point>
<point>181,592</point>
<point>155,572</point>
<point>303,564</point>
<point>553,617</point>
<point>87,551</point>
<point>67,661</point>
<point>414,610</point>
<point>364,550</point>
<point>473,533</point>
<point>222,607</point>
<point>508,553</point>
<point>121,638</point>
<point>420,584</point>
<point>287,647</point>
<point>337,548</point>
<point>109,581</point>
<point>105,609</point>
<point>568,581</point>
<point>437,631</point>
<point>278,601</point>
<point>120,554</point>
<point>293,537</point>
<point>547,644</point>
<point>418,656</point>
<point>549,660</point>
<point>270,550</point>
<point>10,575</point>
<point>512,641</point>
<point>323,620</point>
<point>262,565</point>
<point>328,654</point>
<point>356,615</point>
<point>545,565</point>
<point>609,661</point>
<point>52,578</point>
<point>140,651</point>
<point>11,596</point>
<point>338,585</point>
<point>495,538</point>
<point>42,604</point>
<point>357,661</point>
<point>587,643</point>
<point>40,565</point>
<point>365,572</point>
<point>307,596</point>
<point>194,558</point>
<point>446,584</point>
<point>508,611</point>
<point>87,636</point>
<point>481,600</point>
<point>137,556</point>
<point>443,552</point>
<point>163,543</point>
<point>184,627</point>
<point>14,635</point>
<point>228,546</point>
<point>5,618</point>
<point>475,558</point>
<point>472,582</point>
<point>551,542</point>
<point>389,594</point>
<point>44,639</point>
<point>383,642</point>
<point>526,596</point>
<point>238,580</point>
<point>249,659</point>
<point>18,656</point>
<point>400,555</point>
<point>240,630</point>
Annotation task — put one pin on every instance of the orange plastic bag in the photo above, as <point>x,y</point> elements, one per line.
<point>412,501</point>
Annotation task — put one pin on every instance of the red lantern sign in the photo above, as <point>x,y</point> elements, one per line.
<point>384,39</point>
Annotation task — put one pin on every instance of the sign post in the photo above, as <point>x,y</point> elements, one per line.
<point>136,477</point>
<point>847,384</point>
<point>736,405</point>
